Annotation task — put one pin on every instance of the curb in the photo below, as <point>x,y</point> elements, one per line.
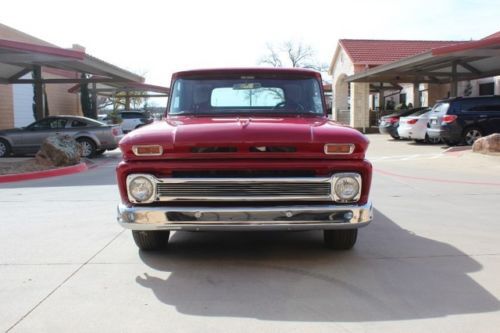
<point>44,174</point>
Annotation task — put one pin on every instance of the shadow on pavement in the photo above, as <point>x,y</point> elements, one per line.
<point>391,274</point>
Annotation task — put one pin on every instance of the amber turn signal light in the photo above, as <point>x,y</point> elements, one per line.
<point>339,148</point>
<point>147,150</point>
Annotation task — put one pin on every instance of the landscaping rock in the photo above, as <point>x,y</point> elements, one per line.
<point>487,145</point>
<point>59,150</point>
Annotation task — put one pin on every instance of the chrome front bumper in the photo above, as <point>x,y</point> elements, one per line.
<point>245,218</point>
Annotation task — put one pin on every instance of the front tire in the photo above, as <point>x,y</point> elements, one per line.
<point>88,147</point>
<point>432,141</point>
<point>449,143</point>
<point>340,239</point>
<point>5,149</point>
<point>150,240</point>
<point>99,152</point>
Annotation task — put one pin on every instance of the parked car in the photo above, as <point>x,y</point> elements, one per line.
<point>95,137</point>
<point>245,149</point>
<point>389,124</point>
<point>463,120</point>
<point>134,119</point>
<point>414,127</point>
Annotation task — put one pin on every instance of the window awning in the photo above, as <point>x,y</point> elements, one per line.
<point>463,61</point>
<point>18,59</point>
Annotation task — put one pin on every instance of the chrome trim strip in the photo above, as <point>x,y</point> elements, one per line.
<point>235,181</point>
<point>245,218</point>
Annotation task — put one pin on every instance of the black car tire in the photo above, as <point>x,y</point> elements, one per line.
<point>5,149</point>
<point>449,142</point>
<point>99,152</point>
<point>150,240</point>
<point>433,141</point>
<point>340,239</point>
<point>470,135</point>
<point>88,147</point>
<point>395,137</point>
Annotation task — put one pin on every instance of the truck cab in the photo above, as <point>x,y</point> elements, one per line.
<point>245,149</point>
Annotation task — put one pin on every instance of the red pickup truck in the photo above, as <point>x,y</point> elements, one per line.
<point>245,149</point>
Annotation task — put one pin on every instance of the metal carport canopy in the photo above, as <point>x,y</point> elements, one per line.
<point>463,61</point>
<point>18,59</point>
<point>110,88</point>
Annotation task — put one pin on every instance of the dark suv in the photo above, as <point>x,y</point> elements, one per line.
<point>463,120</point>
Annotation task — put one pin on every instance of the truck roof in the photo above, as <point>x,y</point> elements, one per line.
<point>248,71</point>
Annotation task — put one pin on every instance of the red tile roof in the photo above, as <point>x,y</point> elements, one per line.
<point>495,35</point>
<point>378,52</point>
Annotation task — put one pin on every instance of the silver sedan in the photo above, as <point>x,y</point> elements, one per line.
<point>94,136</point>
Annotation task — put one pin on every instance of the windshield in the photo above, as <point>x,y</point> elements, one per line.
<point>246,95</point>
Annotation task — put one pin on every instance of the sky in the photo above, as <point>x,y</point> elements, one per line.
<point>157,38</point>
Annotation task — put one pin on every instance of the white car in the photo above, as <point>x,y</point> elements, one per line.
<point>134,119</point>
<point>415,127</point>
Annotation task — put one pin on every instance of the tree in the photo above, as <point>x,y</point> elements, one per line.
<point>291,54</point>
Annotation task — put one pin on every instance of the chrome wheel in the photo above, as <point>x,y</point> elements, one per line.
<point>88,148</point>
<point>471,135</point>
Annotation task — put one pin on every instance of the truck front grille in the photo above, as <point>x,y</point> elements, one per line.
<point>227,189</point>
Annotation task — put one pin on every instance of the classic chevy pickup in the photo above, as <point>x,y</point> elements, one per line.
<point>244,149</point>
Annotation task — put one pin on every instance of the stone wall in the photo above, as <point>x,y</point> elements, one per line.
<point>360,92</point>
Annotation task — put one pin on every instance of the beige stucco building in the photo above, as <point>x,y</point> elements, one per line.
<point>353,102</point>
<point>16,100</point>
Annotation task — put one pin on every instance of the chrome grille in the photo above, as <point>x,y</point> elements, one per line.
<point>227,189</point>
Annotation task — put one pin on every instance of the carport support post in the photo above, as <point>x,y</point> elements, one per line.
<point>39,105</point>
<point>416,95</point>
<point>381,99</point>
<point>94,100</point>
<point>360,111</point>
<point>453,83</point>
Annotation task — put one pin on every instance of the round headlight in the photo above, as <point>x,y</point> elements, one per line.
<point>346,188</point>
<point>141,188</point>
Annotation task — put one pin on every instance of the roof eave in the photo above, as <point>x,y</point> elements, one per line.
<point>392,65</point>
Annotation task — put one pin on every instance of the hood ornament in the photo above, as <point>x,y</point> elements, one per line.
<point>244,122</point>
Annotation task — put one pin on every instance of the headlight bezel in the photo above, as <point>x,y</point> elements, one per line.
<point>150,178</point>
<point>337,177</point>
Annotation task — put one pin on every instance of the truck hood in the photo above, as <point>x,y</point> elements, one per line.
<point>244,137</point>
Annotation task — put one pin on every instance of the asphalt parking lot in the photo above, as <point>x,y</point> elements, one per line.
<point>429,262</point>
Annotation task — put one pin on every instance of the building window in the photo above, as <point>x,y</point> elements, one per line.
<point>487,89</point>
<point>402,99</point>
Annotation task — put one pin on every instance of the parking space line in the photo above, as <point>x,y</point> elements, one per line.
<point>437,180</point>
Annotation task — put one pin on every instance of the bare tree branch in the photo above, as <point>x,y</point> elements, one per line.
<point>272,58</point>
<point>297,53</point>
<point>291,54</point>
